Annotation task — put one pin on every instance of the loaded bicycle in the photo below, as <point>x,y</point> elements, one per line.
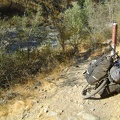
<point>102,76</point>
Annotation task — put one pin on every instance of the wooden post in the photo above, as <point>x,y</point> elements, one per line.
<point>114,38</point>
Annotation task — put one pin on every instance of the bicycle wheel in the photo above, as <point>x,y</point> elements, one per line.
<point>90,90</point>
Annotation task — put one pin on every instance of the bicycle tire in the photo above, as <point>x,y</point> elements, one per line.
<point>95,91</point>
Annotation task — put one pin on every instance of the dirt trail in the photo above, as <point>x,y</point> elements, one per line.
<point>58,98</point>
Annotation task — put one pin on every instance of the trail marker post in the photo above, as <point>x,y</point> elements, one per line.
<point>114,38</point>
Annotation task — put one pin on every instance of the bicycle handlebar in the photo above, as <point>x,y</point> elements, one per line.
<point>111,49</point>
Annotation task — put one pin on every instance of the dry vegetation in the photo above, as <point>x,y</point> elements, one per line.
<point>81,27</point>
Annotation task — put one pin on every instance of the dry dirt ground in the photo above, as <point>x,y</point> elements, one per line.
<point>57,97</point>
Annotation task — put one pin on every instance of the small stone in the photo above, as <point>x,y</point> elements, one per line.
<point>42,106</point>
<point>42,89</point>
<point>90,117</point>
<point>72,118</point>
<point>87,116</point>
<point>75,86</point>
<point>51,113</point>
<point>81,106</point>
<point>71,100</point>
<point>45,90</point>
<point>92,109</point>
<point>62,110</point>
<point>76,102</point>
<point>45,110</point>
<point>104,103</point>
<point>45,97</point>
<point>118,103</point>
<point>37,102</point>
<point>114,118</point>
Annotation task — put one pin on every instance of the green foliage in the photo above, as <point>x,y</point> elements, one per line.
<point>73,19</point>
<point>75,22</point>
<point>19,30</point>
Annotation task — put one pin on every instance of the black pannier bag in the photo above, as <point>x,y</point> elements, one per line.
<point>109,89</point>
<point>113,85</point>
<point>115,72</point>
<point>98,69</point>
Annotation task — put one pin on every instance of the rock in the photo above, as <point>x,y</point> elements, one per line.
<point>77,102</point>
<point>114,118</point>
<point>71,100</point>
<point>45,110</point>
<point>51,113</point>
<point>92,109</point>
<point>88,116</point>
<point>72,118</point>
<point>81,106</point>
<point>41,106</point>
<point>60,112</point>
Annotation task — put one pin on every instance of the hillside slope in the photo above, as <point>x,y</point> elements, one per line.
<point>57,97</point>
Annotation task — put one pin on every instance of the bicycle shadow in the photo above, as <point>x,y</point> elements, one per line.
<point>104,97</point>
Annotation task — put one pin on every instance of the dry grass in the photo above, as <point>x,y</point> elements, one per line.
<point>44,81</point>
